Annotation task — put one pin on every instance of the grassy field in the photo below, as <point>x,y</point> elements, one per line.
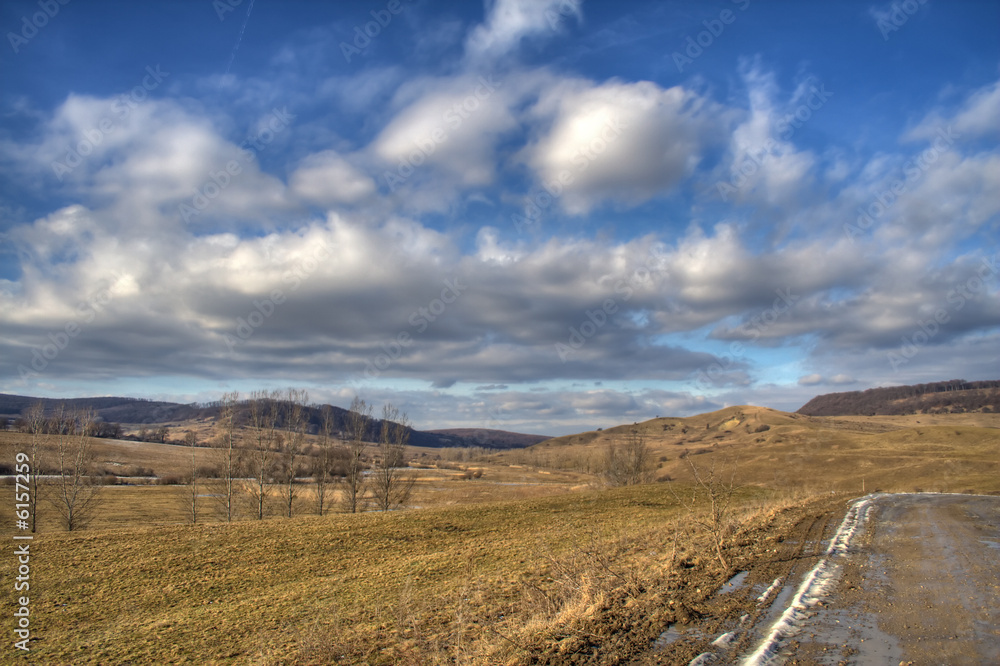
<point>486,583</point>
<point>533,562</point>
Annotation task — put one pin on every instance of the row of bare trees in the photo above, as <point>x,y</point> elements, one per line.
<point>71,485</point>
<point>263,450</point>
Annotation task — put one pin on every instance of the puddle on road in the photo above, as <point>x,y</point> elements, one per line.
<point>734,583</point>
<point>855,628</point>
<point>673,634</point>
<point>992,543</point>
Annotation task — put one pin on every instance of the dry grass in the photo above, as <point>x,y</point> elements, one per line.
<point>404,587</point>
<point>558,570</point>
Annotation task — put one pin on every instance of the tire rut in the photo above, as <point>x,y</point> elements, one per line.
<point>784,553</point>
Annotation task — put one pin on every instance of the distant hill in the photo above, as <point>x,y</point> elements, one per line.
<point>137,411</point>
<point>111,409</point>
<point>956,396</point>
<point>492,439</point>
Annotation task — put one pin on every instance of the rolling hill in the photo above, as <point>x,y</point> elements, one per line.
<point>140,412</point>
<point>956,396</point>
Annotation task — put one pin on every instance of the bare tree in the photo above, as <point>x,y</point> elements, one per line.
<point>76,492</point>
<point>628,464</point>
<point>191,441</point>
<point>264,413</point>
<point>322,466</point>
<point>61,422</point>
<point>718,492</point>
<point>35,419</point>
<point>358,417</point>
<point>227,451</point>
<point>296,423</point>
<point>391,487</point>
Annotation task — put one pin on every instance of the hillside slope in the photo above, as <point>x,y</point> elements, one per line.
<point>767,447</point>
<point>491,439</point>
<point>955,396</point>
<point>139,412</point>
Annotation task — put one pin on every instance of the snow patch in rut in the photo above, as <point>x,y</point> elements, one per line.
<point>815,584</point>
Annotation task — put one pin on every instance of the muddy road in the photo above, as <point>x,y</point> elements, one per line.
<point>921,586</point>
<point>904,578</point>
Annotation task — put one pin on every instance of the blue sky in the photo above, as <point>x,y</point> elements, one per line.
<point>542,216</point>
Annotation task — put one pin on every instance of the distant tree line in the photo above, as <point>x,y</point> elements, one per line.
<point>954,396</point>
<point>64,422</point>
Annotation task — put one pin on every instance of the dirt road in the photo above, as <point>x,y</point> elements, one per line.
<point>921,585</point>
<point>906,578</point>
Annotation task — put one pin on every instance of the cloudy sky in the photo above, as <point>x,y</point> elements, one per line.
<point>534,215</point>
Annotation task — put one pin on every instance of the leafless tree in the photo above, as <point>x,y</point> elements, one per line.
<point>191,441</point>
<point>76,492</point>
<point>323,462</point>
<point>296,423</point>
<point>35,419</point>
<point>358,418</point>
<point>391,487</point>
<point>264,413</point>
<point>628,463</point>
<point>718,492</point>
<point>227,451</point>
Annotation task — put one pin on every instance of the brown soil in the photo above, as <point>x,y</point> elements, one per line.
<point>922,587</point>
<point>786,549</point>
